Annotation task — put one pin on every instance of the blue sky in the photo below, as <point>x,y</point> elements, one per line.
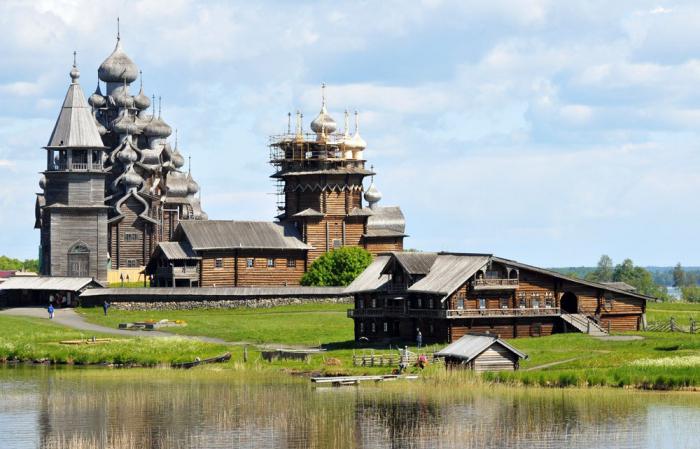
<point>544,131</point>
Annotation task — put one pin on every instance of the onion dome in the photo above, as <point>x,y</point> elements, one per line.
<point>74,74</point>
<point>141,101</point>
<point>323,123</point>
<point>96,100</point>
<point>177,159</point>
<point>156,127</point>
<point>131,178</point>
<point>356,142</point>
<point>118,67</point>
<point>150,157</point>
<point>42,182</point>
<point>127,155</point>
<point>192,186</point>
<point>124,124</point>
<point>373,195</point>
<point>100,129</point>
<point>121,97</point>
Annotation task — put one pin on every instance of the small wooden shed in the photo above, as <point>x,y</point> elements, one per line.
<point>481,352</point>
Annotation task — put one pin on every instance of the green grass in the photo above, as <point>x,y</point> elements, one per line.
<point>32,339</point>
<point>137,284</point>
<point>682,312</point>
<point>308,324</point>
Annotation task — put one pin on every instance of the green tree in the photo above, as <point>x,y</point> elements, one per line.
<point>337,268</point>
<point>690,293</point>
<point>639,278</point>
<point>678,276</point>
<point>8,263</point>
<point>604,270</point>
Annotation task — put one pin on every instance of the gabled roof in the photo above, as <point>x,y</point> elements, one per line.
<point>471,345</point>
<point>372,278</point>
<point>620,285</point>
<point>415,263</point>
<point>449,272</point>
<point>57,283</point>
<point>386,221</point>
<point>309,212</point>
<point>75,126</point>
<point>177,251</point>
<point>220,234</point>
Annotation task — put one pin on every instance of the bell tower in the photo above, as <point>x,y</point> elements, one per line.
<point>71,211</point>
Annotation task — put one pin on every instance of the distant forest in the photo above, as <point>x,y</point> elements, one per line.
<point>660,275</point>
<point>10,264</point>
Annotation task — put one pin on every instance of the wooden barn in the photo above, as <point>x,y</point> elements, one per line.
<point>481,352</point>
<point>448,295</point>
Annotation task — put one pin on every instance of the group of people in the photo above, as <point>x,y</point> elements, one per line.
<point>57,301</point>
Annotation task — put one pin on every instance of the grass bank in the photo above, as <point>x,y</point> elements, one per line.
<point>38,340</point>
<point>682,312</point>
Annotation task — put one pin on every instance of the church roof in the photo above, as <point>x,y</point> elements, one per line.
<point>386,221</point>
<point>220,234</point>
<point>75,126</point>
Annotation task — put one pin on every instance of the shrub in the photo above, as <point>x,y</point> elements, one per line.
<point>337,268</point>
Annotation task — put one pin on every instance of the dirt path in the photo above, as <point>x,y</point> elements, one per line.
<point>69,318</point>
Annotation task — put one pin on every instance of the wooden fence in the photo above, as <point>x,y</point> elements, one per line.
<point>672,326</point>
<point>392,359</point>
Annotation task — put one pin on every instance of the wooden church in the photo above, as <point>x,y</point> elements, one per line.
<point>322,206</point>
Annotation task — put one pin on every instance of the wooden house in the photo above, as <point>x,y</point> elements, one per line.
<point>481,352</point>
<point>448,295</point>
<point>217,253</point>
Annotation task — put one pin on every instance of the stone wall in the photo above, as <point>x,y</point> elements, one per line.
<point>252,303</point>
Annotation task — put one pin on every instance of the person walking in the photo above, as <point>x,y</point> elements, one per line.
<point>105,306</point>
<point>419,338</point>
<point>51,310</point>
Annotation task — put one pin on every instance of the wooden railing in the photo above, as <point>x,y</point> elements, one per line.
<point>485,283</point>
<point>475,313</point>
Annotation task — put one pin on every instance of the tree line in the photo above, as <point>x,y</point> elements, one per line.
<point>10,264</point>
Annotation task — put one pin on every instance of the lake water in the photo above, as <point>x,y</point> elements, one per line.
<point>73,408</point>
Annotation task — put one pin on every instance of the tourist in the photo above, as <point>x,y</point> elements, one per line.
<point>419,338</point>
<point>422,361</point>
<point>51,310</point>
<point>105,306</point>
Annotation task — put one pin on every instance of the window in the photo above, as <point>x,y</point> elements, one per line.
<point>504,303</point>
<point>535,300</point>
<point>609,302</point>
<point>419,302</point>
<point>249,262</point>
<point>218,262</point>
<point>430,304</point>
<point>362,327</point>
<point>482,303</point>
<point>374,303</point>
<point>386,327</point>
<point>270,262</point>
<point>460,303</point>
<point>549,300</point>
<point>131,236</point>
<point>360,303</point>
<point>132,263</point>
<point>522,301</point>
<point>291,263</point>
<point>337,243</point>
<point>374,327</point>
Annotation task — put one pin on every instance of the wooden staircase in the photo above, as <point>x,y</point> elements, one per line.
<point>584,324</point>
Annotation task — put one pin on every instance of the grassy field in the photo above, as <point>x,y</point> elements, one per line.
<point>682,312</point>
<point>311,324</point>
<point>34,339</point>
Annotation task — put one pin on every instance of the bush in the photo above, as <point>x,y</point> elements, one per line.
<point>691,293</point>
<point>337,268</point>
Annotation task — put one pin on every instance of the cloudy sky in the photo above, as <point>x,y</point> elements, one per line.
<point>544,131</point>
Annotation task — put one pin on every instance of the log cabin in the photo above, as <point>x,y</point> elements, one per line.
<point>447,295</point>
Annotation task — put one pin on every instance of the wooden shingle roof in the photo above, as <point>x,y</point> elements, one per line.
<point>220,234</point>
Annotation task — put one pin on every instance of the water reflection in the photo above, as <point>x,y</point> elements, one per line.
<point>164,409</point>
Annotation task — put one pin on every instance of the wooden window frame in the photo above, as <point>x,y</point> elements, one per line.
<point>250,262</point>
<point>219,263</point>
<point>291,263</point>
<point>132,263</point>
<point>270,262</point>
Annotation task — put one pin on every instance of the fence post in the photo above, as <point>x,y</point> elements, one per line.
<point>609,321</point>
<point>692,326</point>
<point>673,325</point>
<point>588,327</point>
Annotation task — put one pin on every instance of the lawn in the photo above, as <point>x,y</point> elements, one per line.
<point>308,324</point>
<point>682,312</point>
<point>32,339</point>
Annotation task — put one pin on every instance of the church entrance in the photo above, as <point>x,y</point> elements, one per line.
<point>79,260</point>
<point>569,303</point>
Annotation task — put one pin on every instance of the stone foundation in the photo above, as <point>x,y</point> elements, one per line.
<point>251,303</point>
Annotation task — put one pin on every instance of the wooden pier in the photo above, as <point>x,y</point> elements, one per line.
<point>355,380</point>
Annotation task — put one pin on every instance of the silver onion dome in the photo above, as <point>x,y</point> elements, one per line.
<point>356,142</point>
<point>141,101</point>
<point>156,127</point>
<point>124,124</point>
<point>323,123</point>
<point>192,186</point>
<point>131,178</point>
<point>177,159</point>
<point>373,195</point>
<point>118,67</point>
<point>96,100</point>
<point>42,182</point>
<point>127,155</point>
